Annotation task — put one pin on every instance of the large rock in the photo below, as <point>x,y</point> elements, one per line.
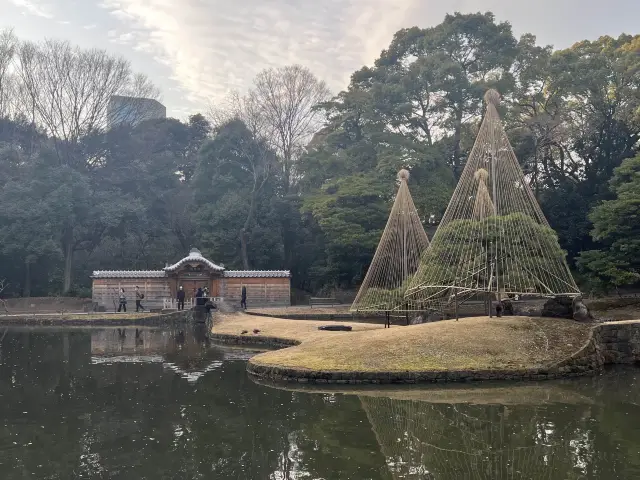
<point>580,311</point>
<point>558,307</point>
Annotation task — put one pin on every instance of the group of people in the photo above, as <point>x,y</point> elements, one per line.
<point>122,306</point>
<point>201,295</point>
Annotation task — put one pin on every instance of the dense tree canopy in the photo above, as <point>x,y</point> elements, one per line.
<point>286,176</point>
<point>616,226</point>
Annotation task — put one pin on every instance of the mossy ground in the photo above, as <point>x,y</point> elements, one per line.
<point>481,343</point>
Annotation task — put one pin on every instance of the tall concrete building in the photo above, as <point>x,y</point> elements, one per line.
<point>133,110</point>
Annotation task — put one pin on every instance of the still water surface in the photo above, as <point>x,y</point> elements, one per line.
<point>89,403</point>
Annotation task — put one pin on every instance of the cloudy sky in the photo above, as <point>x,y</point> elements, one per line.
<point>196,51</point>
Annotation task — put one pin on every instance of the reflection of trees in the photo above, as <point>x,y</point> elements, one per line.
<point>140,420</point>
<point>421,440</point>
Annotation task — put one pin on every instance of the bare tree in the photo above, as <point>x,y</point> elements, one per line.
<point>285,98</point>
<point>69,90</point>
<point>244,108</point>
<point>279,110</point>
<point>8,45</point>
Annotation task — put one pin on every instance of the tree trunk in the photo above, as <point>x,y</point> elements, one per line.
<point>243,249</point>
<point>457,135</point>
<point>243,233</point>
<point>27,279</point>
<point>68,263</point>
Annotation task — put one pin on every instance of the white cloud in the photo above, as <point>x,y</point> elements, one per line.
<point>217,46</point>
<point>34,7</point>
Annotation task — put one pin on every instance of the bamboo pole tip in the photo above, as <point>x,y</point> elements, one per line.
<point>403,175</point>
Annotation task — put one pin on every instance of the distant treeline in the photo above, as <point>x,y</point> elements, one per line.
<point>289,176</point>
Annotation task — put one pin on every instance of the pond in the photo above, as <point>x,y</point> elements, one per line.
<point>162,404</point>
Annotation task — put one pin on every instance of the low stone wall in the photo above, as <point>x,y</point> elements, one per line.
<point>609,344</point>
<point>60,320</point>
<point>356,377</point>
<point>618,342</point>
<point>305,316</point>
<point>248,339</point>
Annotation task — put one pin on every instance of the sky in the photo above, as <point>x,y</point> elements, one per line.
<point>198,51</point>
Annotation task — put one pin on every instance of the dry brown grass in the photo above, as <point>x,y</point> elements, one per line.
<point>480,343</point>
<point>296,330</point>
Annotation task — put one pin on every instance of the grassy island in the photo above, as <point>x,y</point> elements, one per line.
<point>507,344</point>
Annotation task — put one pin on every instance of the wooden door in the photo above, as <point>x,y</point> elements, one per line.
<point>215,287</point>
<point>191,286</point>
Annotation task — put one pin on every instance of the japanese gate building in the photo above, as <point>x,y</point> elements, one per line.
<point>264,287</point>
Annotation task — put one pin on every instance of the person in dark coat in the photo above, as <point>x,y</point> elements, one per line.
<point>180,296</point>
<point>139,297</point>
<point>199,296</point>
<point>123,301</point>
<point>243,299</point>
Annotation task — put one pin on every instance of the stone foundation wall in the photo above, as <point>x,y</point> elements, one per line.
<point>165,319</point>
<point>618,342</point>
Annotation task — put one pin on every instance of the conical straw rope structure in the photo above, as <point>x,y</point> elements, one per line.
<point>493,237</point>
<point>396,259</point>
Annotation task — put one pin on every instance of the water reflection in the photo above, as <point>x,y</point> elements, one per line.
<point>103,403</point>
<point>577,429</point>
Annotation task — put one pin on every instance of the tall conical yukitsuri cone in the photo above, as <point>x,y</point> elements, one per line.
<point>493,237</point>
<point>396,259</point>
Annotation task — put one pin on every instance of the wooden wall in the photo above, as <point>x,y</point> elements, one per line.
<point>107,290</point>
<point>260,291</point>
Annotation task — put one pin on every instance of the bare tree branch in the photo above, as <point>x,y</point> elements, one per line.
<point>68,90</point>
<point>278,109</point>
<point>8,46</point>
<point>285,98</point>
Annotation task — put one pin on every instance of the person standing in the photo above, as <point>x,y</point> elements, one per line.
<point>200,296</point>
<point>139,297</point>
<point>123,301</point>
<point>180,296</point>
<point>243,298</point>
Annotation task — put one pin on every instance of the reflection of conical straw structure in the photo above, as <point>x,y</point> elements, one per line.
<point>396,259</point>
<point>427,441</point>
<point>493,238</point>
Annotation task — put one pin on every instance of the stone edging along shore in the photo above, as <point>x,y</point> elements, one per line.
<point>608,343</point>
<point>304,316</point>
<point>60,320</point>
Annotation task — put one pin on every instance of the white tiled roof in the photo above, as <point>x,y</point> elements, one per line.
<point>194,256</point>
<point>128,274</point>
<point>256,273</point>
